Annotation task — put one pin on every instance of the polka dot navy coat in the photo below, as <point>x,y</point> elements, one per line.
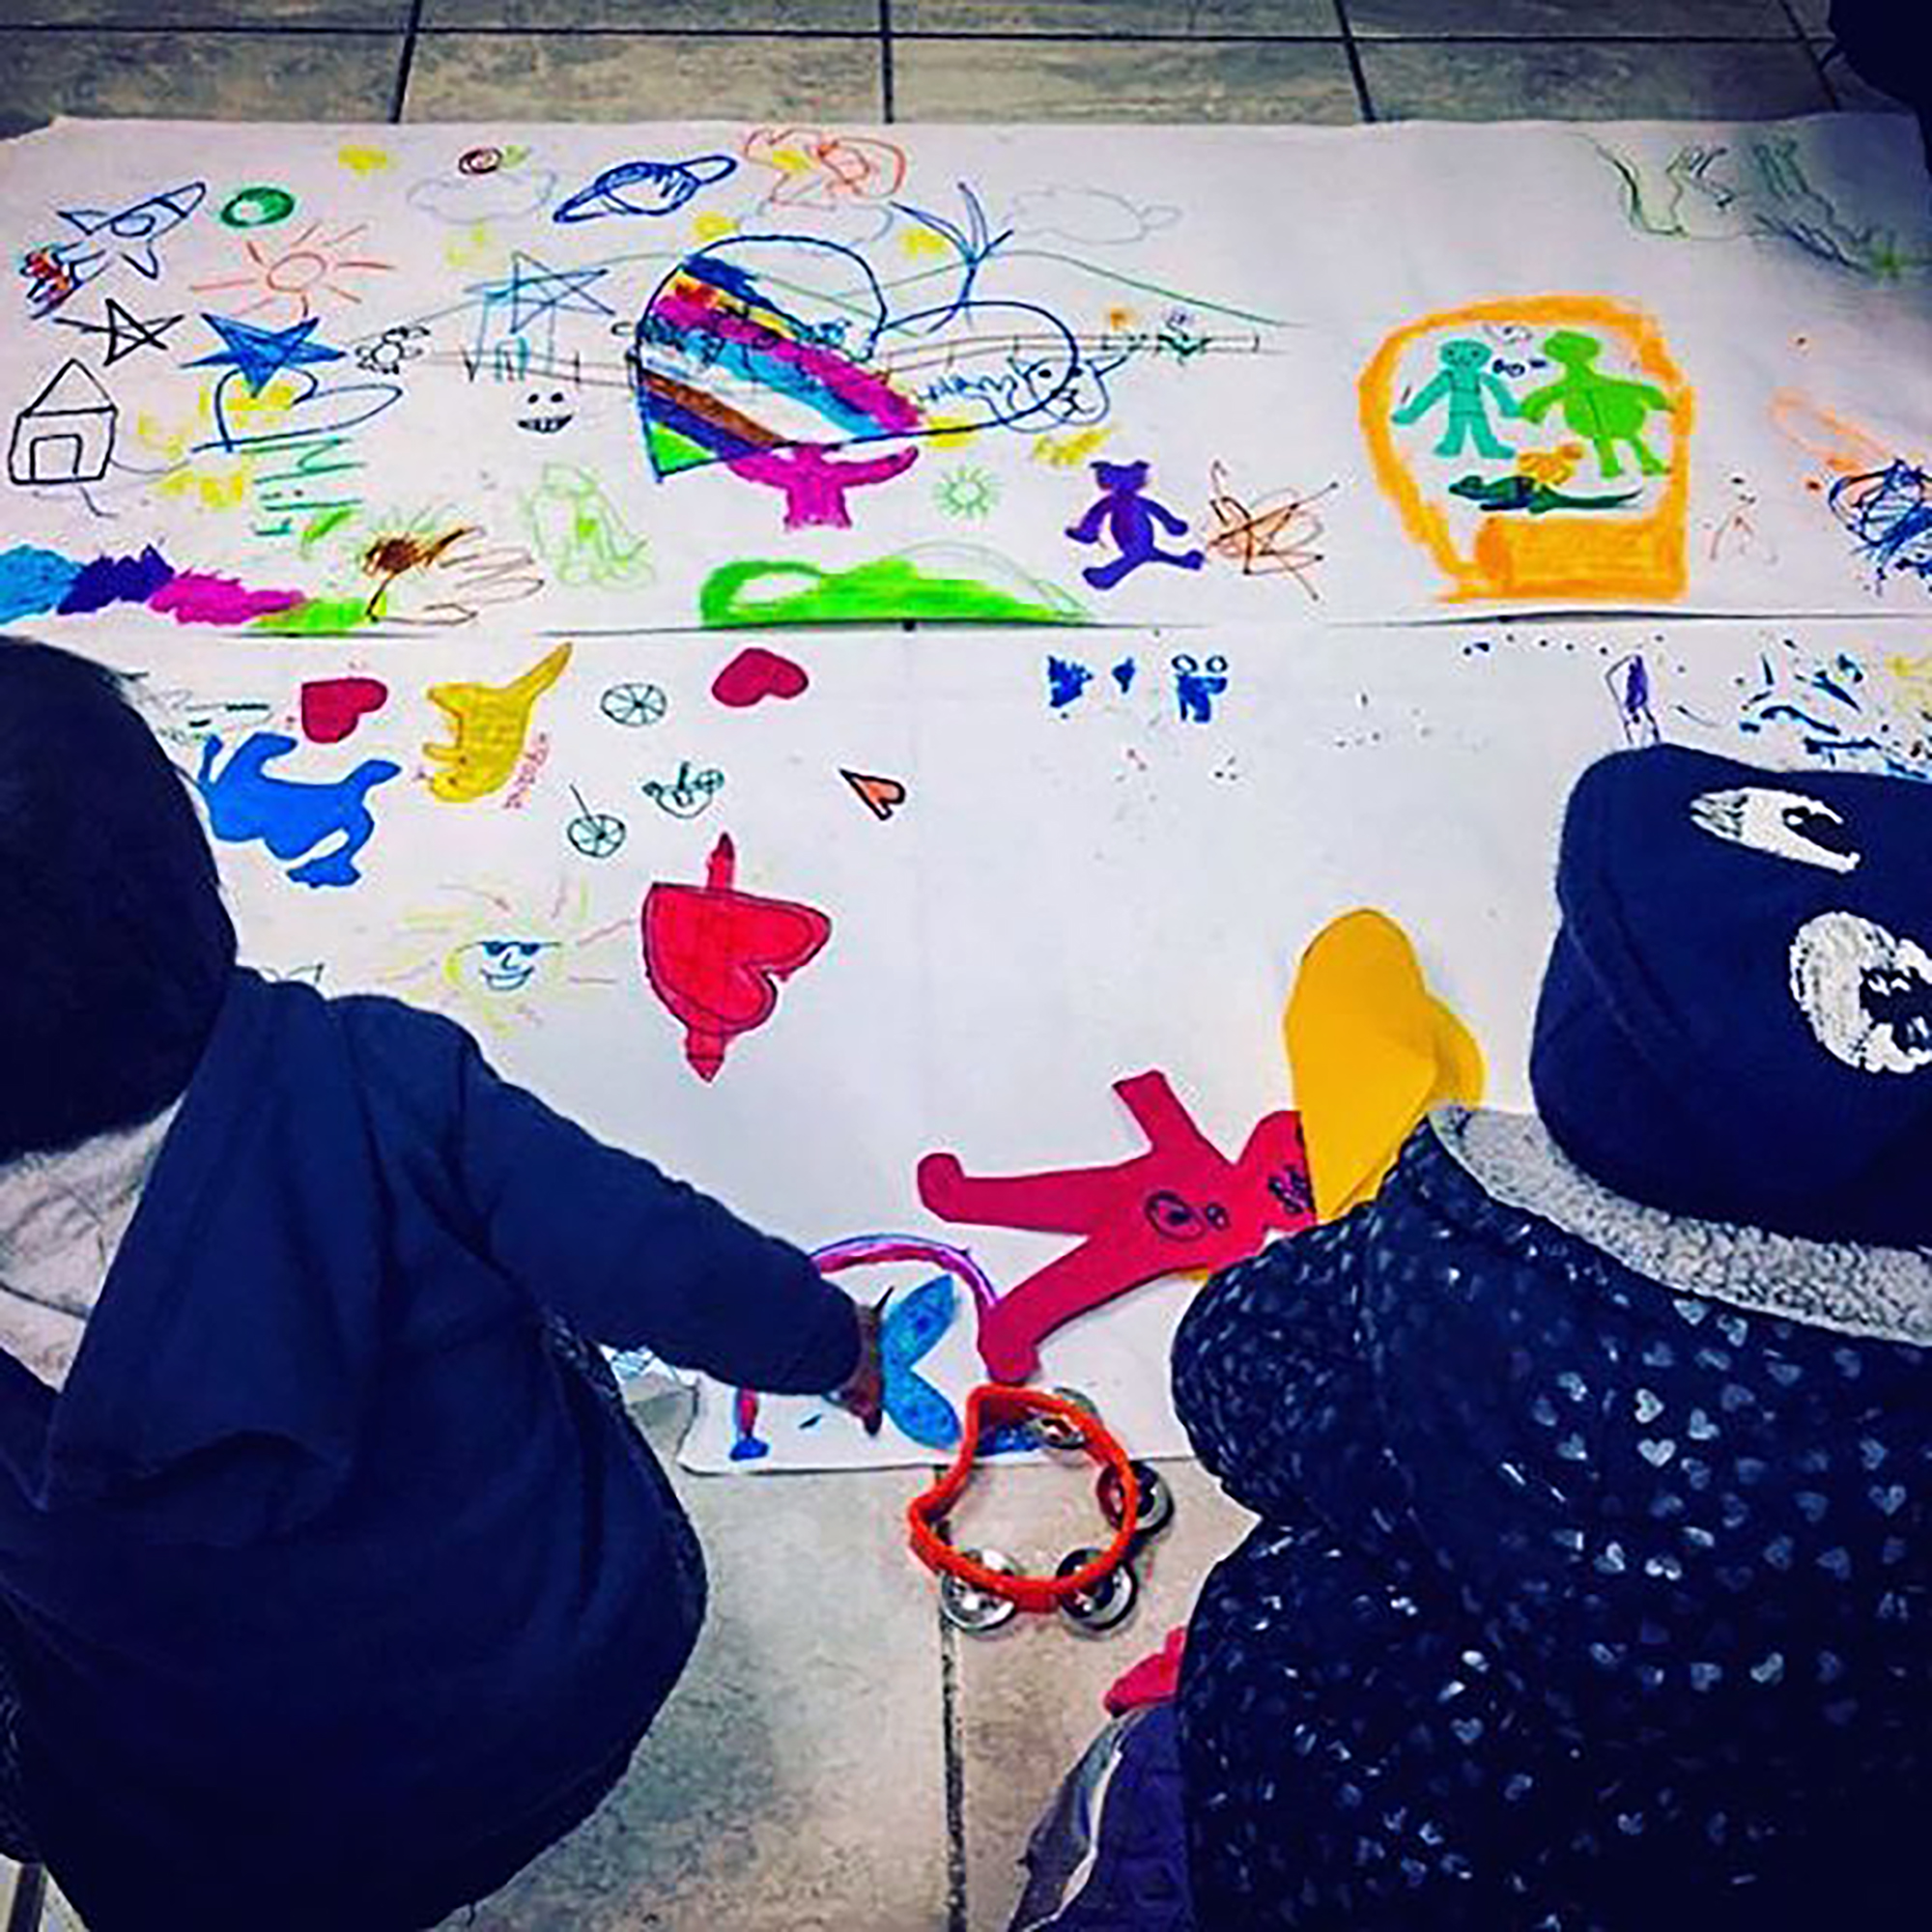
<point>1590,1589</point>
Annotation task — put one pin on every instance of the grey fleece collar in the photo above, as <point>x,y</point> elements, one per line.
<point>1883,1293</point>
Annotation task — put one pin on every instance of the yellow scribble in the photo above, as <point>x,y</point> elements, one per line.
<point>207,479</point>
<point>1601,554</point>
<point>920,241</point>
<point>713,227</point>
<point>1120,317</point>
<point>1067,452</point>
<point>945,432</point>
<point>1914,678</point>
<point>472,247</point>
<point>361,159</point>
<point>491,724</point>
<point>1551,467</point>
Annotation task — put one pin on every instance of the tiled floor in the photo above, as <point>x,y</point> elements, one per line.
<point>918,60</point>
<point>838,1757</point>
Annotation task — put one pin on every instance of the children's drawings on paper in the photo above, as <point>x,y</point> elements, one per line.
<point>1131,522</point>
<point>880,796</point>
<point>102,238</point>
<point>633,705</point>
<point>1275,537</point>
<point>66,435</point>
<point>332,707</point>
<point>1629,680</point>
<point>490,725</point>
<point>1466,387</point>
<point>594,835</point>
<point>1865,711</point>
<point>295,278</point>
<point>954,581</point>
<point>755,674</point>
<point>1179,1206</point>
<point>715,955</point>
<point>693,790</point>
<point>644,188</point>
<point>497,959</point>
<point>121,331</point>
<point>295,818</point>
<point>1197,681</point>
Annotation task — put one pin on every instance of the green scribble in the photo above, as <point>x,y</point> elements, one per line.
<point>966,490</point>
<point>319,618</point>
<point>580,533</point>
<point>891,589</point>
<point>326,525</point>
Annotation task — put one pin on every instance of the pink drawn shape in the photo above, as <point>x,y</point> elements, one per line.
<point>198,597</point>
<point>814,485</point>
<point>331,707</point>
<point>714,956</point>
<point>1180,1208</point>
<point>757,673</point>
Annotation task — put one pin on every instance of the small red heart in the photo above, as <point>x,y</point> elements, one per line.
<point>756,674</point>
<point>332,707</point>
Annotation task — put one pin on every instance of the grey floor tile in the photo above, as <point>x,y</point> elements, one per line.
<point>1574,80</point>
<point>1577,19</point>
<point>1123,80</point>
<point>1028,1697</point>
<point>795,1781</point>
<point>237,76</point>
<point>1813,15</point>
<point>1179,20</point>
<point>193,15</point>
<point>641,77</point>
<point>851,16</point>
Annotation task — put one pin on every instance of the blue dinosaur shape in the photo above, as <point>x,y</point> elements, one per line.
<point>291,816</point>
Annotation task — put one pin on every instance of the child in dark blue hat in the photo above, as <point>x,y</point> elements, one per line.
<point>1593,1587</point>
<point>334,1581</point>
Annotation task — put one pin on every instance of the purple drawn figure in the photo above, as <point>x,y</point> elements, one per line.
<point>289,816</point>
<point>1629,679</point>
<point>814,485</point>
<point>1129,517</point>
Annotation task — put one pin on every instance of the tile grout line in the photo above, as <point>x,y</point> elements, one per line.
<point>1352,54</point>
<point>1812,54</point>
<point>406,62</point>
<point>955,1777</point>
<point>888,106</point>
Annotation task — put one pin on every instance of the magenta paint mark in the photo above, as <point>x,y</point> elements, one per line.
<point>814,485</point>
<point>862,1249</point>
<point>857,388</point>
<point>757,673</point>
<point>116,580</point>
<point>201,596</point>
<point>331,707</point>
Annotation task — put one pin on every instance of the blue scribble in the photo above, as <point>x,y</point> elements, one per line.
<point>1197,685</point>
<point>1124,674</point>
<point>1827,711</point>
<point>33,581</point>
<point>975,244</point>
<point>1066,681</point>
<point>913,1328</point>
<point>1629,679</point>
<point>1888,512</point>
<point>116,580</point>
<point>291,817</point>
<point>644,188</point>
<point>261,355</point>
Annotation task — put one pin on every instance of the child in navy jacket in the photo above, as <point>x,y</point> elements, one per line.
<point>1593,1457</point>
<point>332,1585</point>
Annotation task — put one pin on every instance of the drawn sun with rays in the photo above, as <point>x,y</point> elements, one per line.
<point>494,962</point>
<point>296,272</point>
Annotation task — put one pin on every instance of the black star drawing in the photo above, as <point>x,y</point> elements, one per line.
<point>125,332</point>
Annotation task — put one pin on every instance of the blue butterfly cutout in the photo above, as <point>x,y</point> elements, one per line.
<point>912,1329</point>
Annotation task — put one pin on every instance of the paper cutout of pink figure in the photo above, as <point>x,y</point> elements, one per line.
<point>1181,1206</point>
<point>714,956</point>
<point>814,485</point>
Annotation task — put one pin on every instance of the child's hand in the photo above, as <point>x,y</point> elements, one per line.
<point>862,1391</point>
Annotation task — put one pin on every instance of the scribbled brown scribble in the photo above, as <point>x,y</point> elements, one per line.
<point>1274,537</point>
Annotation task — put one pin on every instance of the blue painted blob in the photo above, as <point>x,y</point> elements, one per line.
<point>912,1329</point>
<point>33,581</point>
<point>116,580</point>
<point>1123,674</point>
<point>1065,680</point>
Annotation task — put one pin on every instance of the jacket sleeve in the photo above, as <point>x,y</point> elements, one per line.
<point>620,1251</point>
<point>1270,1382</point>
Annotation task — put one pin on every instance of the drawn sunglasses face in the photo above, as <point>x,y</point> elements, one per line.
<point>503,965</point>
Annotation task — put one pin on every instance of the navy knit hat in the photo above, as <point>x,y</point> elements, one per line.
<point>1737,1018</point>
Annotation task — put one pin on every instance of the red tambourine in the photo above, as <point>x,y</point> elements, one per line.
<point>981,1589</point>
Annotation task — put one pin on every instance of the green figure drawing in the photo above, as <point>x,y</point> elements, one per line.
<point>1524,493</point>
<point>1462,381</point>
<point>1605,411</point>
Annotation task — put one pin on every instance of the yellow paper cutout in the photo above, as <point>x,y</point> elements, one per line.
<point>1604,554</point>
<point>490,724</point>
<point>1371,1050</point>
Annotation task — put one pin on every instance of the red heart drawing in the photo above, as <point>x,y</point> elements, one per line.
<point>332,707</point>
<point>714,956</point>
<point>756,674</point>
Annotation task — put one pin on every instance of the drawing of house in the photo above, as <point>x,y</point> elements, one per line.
<point>66,435</point>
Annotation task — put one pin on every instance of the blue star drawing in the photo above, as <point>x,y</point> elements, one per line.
<point>534,292</point>
<point>261,355</point>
